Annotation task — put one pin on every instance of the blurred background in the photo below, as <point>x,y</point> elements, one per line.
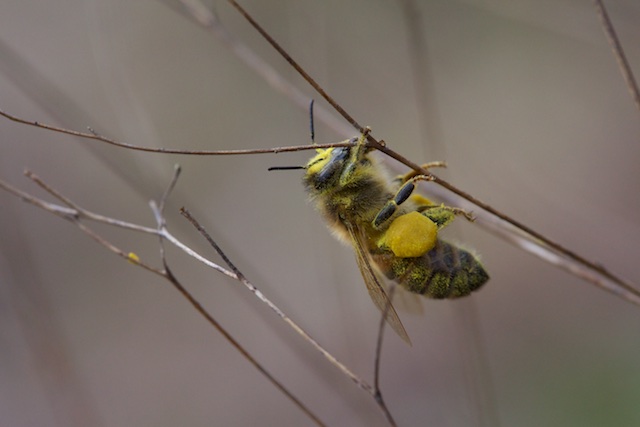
<point>525,102</point>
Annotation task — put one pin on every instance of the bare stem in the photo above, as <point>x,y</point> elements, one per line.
<point>93,135</point>
<point>378,358</point>
<point>618,52</point>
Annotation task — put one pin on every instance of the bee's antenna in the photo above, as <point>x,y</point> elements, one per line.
<point>313,136</point>
<point>285,168</point>
<point>313,132</point>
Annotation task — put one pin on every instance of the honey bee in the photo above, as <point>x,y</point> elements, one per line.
<point>394,232</point>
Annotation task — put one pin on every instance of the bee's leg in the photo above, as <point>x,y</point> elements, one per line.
<point>442,215</point>
<point>406,177</point>
<point>400,197</point>
<point>357,154</point>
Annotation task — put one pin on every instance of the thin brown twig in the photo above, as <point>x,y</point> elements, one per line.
<point>161,222</point>
<point>618,52</point>
<point>97,137</point>
<point>35,178</point>
<point>200,309</point>
<point>74,209</point>
<point>165,195</point>
<point>378,359</point>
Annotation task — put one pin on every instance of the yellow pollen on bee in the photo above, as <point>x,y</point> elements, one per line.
<point>410,235</point>
<point>316,164</point>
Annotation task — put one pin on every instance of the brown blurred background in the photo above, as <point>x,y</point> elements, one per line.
<point>525,102</point>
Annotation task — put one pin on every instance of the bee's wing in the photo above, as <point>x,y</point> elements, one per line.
<point>376,291</point>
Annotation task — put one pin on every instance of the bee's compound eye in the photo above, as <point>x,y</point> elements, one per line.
<point>410,235</point>
<point>340,153</point>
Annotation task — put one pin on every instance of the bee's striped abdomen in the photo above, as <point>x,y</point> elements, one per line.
<point>446,271</point>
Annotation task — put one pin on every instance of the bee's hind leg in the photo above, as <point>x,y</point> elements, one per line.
<point>400,197</point>
<point>441,215</point>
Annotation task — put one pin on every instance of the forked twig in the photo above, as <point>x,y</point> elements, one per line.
<point>73,213</point>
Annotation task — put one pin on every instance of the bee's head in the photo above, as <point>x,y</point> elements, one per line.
<point>332,168</point>
<point>326,168</point>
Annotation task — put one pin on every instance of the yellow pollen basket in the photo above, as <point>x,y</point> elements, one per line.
<point>411,235</point>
